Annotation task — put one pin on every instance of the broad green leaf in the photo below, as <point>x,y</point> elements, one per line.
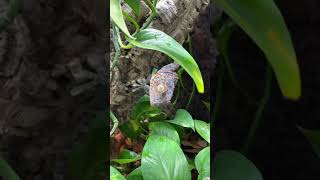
<point>6,172</point>
<point>203,129</point>
<point>135,6</point>
<point>131,129</point>
<point>127,156</point>
<point>135,174</point>
<point>313,137</point>
<point>115,174</point>
<point>202,162</point>
<point>162,158</point>
<point>183,118</point>
<point>263,22</point>
<point>231,165</point>
<point>164,129</point>
<point>143,109</point>
<point>159,41</point>
<point>117,16</point>
<point>87,160</point>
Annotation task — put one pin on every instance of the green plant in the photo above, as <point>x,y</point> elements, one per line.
<point>87,160</point>
<point>162,156</point>
<point>6,172</point>
<point>263,22</point>
<point>153,39</point>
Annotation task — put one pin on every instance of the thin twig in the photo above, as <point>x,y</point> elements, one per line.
<point>132,20</point>
<point>193,85</point>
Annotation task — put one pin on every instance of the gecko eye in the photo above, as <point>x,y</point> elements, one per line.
<point>161,88</point>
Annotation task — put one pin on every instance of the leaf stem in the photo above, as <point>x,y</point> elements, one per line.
<point>193,85</point>
<point>258,115</point>
<point>132,20</point>
<point>153,15</point>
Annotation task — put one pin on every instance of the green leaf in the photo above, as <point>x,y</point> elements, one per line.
<point>143,109</point>
<point>313,137</point>
<point>135,6</point>
<point>135,174</point>
<point>263,22</point>
<point>159,41</point>
<point>87,160</point>
<point>162,158</point>
<point>127,156</point>
<point>6,172</point>
<point>230,165</point>
<point>202,162</point>
<point>183,118</point>
<point>131,129</point>
<point>164,129</point>
<point>117,16</point>
<point>115,174</point>
<point>203,129</point>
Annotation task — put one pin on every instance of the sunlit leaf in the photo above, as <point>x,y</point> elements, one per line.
<point>203,129</point>
<point>135,174</point>
<point>115,174</point>
<point>263,22</point>
<point>183,118</point>
<point>231,165</point>
<point>117,16</point>
<point>159,41</point>
<point>135,6</point>
<point>202,162</point>
<point>127,156</point>
<point>164,129</point>
<point>162,158</point>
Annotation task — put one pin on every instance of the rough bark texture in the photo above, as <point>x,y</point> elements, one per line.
<point>176,18</point>
<point>52,82</point>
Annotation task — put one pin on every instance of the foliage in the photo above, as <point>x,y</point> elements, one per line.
<point>6,172</point>
<point>262,21</point>
<point>87,160</point>
<point>229,165</point>
<point>162,156</point>
<point>149,38</point>
<point>313,136</point>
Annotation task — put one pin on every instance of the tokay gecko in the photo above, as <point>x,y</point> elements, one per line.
<point>162,85</point>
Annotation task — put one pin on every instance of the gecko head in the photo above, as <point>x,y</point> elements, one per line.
<point>161,88</point>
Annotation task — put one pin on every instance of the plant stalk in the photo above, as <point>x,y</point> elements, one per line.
<point>258,116</point>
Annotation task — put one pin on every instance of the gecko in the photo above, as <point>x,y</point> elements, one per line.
<point>162,85</point>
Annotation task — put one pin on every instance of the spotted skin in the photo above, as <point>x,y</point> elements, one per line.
<point>166,77</point>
